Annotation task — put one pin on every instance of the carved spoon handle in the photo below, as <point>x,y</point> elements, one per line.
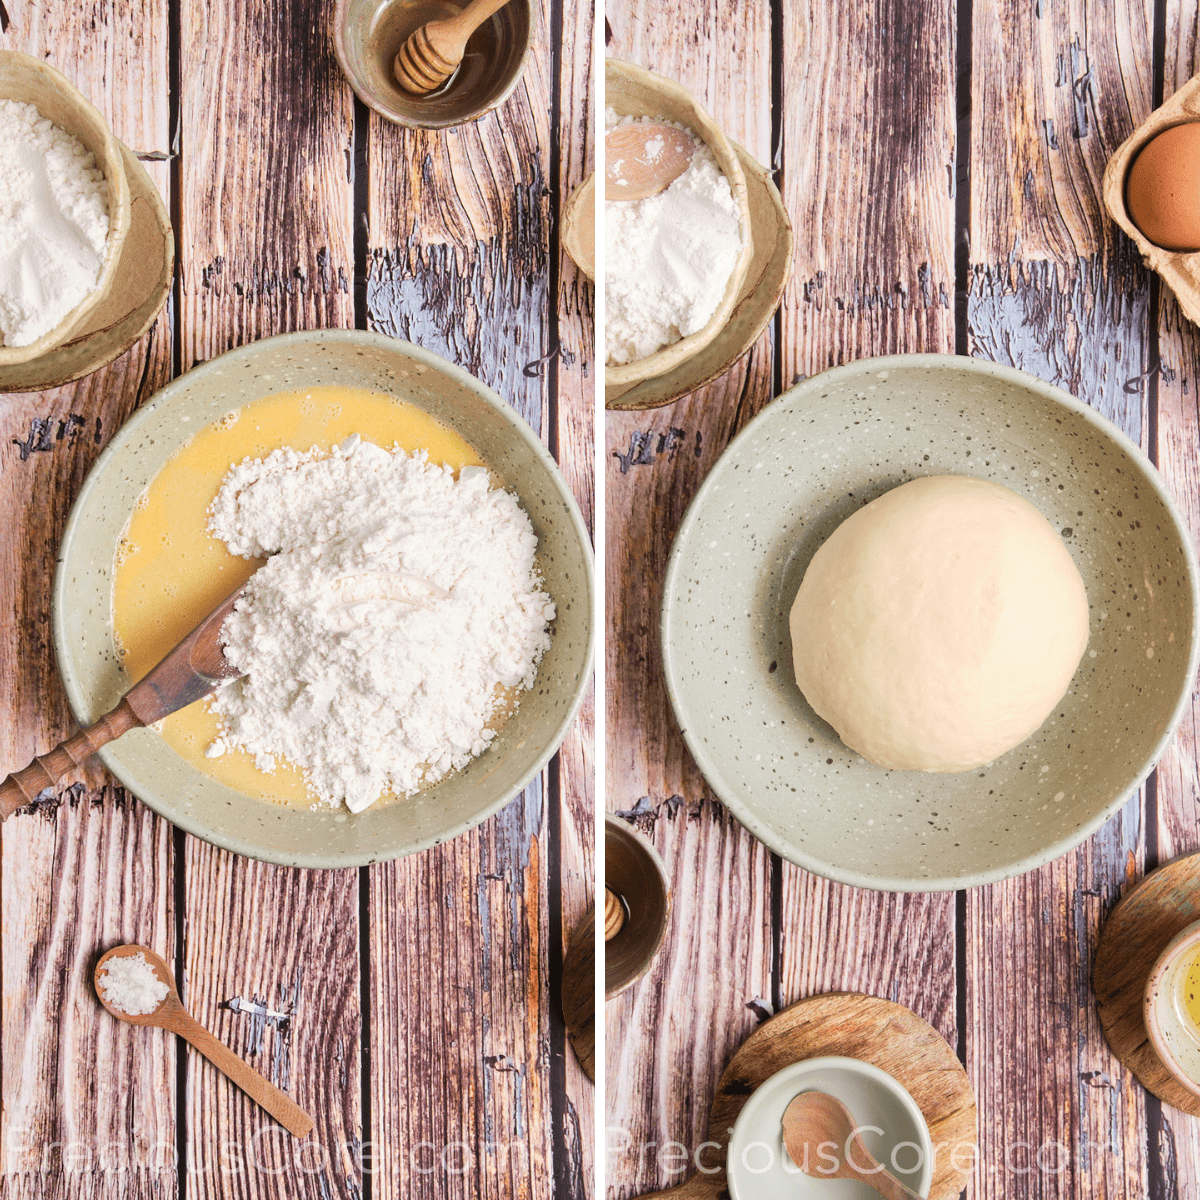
<point>23,786</point>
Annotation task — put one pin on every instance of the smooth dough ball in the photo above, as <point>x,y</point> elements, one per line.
<point>940,625</point>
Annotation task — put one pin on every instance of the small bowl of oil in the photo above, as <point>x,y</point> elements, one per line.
<point>368,35</point>
<point>1172,1007</point>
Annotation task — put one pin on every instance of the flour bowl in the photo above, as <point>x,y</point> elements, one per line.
<point>31,81</point>
<point>83,620</point>
<point>809,460</point>
<point>632,91</point>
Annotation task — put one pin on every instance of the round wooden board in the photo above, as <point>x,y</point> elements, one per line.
<point>875,1031</point>
<point>1136,933</point>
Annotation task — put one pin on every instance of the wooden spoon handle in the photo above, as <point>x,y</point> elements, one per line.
<point>25,785</point>
<point>883,1181</point>
<point>289,1114</point>
<point>472,17</point>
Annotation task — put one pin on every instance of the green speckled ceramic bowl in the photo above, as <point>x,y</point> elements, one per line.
<point>810,459</point>
<point>82,608</point>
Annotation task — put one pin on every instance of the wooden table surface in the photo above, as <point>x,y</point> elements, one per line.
<point>942,169</point>
<point>410,1007</point>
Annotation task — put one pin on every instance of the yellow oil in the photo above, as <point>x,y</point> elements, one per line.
<point>170,572</point>
<point>1191,993</point>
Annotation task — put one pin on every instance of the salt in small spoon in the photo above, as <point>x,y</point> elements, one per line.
<point>173,1017</point>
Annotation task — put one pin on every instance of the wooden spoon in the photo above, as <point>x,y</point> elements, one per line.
<point>815,1121</point>
<point>431,55</point>
<point>196,667</point>
<point>643,159</point>
<point>173,1017</point>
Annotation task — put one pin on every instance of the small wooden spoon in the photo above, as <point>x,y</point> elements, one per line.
<point>173,1017</point>
<point>432,54</point>
<point>813,1122</point>
<point>196,667</point>
<point>643,159</point>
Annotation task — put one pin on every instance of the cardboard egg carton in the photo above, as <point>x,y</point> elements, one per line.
<point>1179,270</point>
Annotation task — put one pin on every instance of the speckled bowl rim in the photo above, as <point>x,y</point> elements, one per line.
<point>878,1078</point>
<point>340,16</point>
<point>1186,939</point>
<point>744,809</point>
<point>127,433</point>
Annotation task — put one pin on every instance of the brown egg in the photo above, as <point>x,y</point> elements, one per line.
<point>1163,189</point>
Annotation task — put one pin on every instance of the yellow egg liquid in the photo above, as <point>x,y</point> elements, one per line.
<point>170,573</point>
<point>1191,993</point>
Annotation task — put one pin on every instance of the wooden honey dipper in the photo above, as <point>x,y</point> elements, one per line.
<point>432,54</point>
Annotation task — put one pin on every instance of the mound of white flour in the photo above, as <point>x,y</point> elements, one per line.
<point>668,258</point>
<point>397,602</point>
<point>53,223</point>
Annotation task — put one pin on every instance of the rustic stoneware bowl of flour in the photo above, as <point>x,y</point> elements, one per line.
<point>368,34</point>
<point>82,608</point>
<point>31,81</point>
<point>632,91</point>
<point>809,460</point>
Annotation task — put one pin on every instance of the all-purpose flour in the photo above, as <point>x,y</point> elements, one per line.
<point>53,224</point>
<point>668,259</point>
<point>396,605</point>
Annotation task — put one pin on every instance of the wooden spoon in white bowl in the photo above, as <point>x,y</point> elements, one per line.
<point>644,159</point>
<point>813,1122</point>
<point>174,1018</point>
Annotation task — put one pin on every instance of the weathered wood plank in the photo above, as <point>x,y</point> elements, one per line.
<point>575,381</point>
<point>667,1069</point>
<point>868,178</point>
<point>459,263</point>
<point>1055,291</point>
<point>267,246</point>
<point>870,190</point>
<point>671,1035</point>
<point>271,966</point>
<point>88,1104</point>
<point>266,127</point>
<point>1174,1139</point>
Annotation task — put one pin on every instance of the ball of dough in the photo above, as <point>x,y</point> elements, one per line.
<point>940,625</point>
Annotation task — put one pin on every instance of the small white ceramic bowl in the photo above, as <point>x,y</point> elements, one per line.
<point>892,1128</point>
<point>1173,1034</point>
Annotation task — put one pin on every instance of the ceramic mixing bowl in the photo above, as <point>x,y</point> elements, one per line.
<point>368,34</point>
<point>1174,1032</point>
<point>32,81</point>
<point>808,461</point>
<point>82,606</point>
<point>631,91</point>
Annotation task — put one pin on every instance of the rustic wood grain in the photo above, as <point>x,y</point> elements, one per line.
<point>266,245</point>
<point>669,1036</point>
<point>88,1105</point>
<point>869,191</point>
<point>574,382</point>
<point>266,125</point>
<point>1175,1140</point>
<point>868,167</point>
<point>666,1068</point>
<point>1055,290</point>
